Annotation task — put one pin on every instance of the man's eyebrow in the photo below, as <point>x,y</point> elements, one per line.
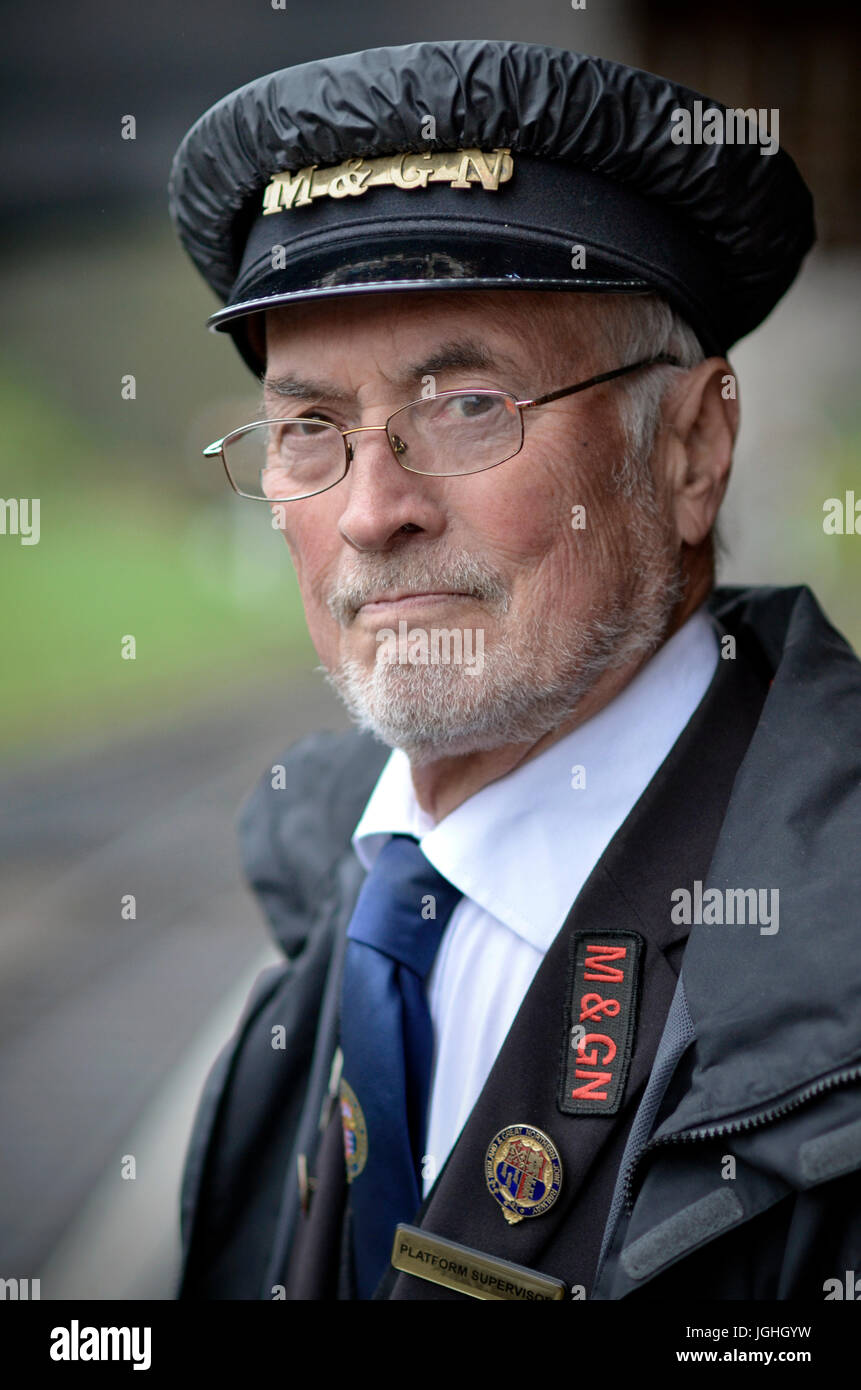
<point>298,389</point>
<point>465,355</point>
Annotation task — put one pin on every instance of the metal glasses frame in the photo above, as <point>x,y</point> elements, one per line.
<point>216,449</point>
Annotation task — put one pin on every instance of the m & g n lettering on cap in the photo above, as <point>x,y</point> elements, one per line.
<point>407,170</point>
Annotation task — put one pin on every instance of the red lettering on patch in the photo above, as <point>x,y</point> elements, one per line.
<point>608,1007</point>
<point>597,962</point>
<point>592,1059</point>
<point>595,1066</point>
<point>588,1092</point>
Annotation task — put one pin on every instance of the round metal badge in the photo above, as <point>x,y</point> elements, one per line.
<point>523,1171</point>
<point>355,1131</point>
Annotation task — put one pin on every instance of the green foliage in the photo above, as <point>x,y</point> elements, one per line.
<point>205,587</point>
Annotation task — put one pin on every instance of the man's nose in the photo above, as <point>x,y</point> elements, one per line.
<point>380,497</point>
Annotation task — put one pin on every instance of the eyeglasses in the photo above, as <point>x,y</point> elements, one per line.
<point>445,435</point>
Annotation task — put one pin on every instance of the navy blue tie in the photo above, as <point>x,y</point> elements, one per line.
<point>387,1040</point>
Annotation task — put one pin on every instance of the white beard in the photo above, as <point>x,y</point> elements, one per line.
<point>534,677</point>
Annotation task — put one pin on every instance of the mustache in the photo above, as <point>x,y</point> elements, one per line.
<point>416,574</point>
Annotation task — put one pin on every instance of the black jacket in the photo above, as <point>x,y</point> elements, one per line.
<point>731,1170</point>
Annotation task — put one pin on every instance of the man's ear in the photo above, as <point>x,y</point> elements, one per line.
<point>700,425</point>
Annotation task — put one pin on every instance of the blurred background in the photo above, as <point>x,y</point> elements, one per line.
<point>123,777</point>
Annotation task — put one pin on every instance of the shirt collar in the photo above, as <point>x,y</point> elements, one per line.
<point>522,847</point>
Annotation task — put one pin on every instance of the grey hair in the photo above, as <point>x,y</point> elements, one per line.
<point>646,326</point>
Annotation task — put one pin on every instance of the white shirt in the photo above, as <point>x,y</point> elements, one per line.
<point>520,850</point>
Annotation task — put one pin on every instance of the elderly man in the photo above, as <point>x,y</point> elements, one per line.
<point>568,1004</point>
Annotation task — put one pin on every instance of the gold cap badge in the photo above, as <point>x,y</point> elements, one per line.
<point>458,168</point>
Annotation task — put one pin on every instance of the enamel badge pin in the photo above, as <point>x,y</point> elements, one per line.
<point>355,1131</point>
<point>523,1172</point>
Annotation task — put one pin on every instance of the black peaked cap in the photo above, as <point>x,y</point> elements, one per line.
<point>718,229</point>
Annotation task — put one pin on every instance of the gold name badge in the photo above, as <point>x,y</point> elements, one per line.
<point>459,168</point>
<point>469,1271</point>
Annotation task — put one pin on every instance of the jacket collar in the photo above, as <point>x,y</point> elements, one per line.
<point>786,1013</point>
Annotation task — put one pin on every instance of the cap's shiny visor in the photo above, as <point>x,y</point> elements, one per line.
<point>221,320</point>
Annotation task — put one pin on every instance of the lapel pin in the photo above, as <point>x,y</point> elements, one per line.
<point>523,1172</point>
<point>355,1131</point>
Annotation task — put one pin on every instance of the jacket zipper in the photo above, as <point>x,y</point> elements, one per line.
<point>737,1126</point>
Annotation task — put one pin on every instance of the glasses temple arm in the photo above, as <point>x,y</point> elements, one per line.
<point>664,360</point>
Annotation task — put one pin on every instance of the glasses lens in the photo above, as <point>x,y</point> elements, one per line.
<point>279,460</point>
<point>457,432</point>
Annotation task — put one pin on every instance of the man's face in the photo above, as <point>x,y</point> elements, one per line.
<point>497,555</point>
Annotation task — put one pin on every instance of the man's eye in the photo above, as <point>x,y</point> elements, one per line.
<point>310,424</point>
<point>470,407</point>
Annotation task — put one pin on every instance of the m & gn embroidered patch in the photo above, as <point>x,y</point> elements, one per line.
<point>600,1017</point>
